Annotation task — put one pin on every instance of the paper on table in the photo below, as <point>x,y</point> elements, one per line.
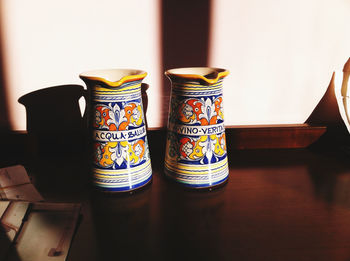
<point>14,175</point>
<point>40,231</point>
<point>11,218</point>
<point>3,207</point>
<point>16,185</point>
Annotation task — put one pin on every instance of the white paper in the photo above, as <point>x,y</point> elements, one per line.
<point>15,184</point>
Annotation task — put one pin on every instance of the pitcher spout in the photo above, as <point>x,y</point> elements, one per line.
<point>113,77</point>
<point>202,74</point>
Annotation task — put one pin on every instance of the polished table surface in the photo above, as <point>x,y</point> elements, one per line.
<point>285,204</point>
<point>279,204</point>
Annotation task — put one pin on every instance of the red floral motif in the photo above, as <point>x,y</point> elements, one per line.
<point>102,118</point>
<point>199,110</point>
<point>204,146</point>
<point>186,147</point>
<point>116,118</point>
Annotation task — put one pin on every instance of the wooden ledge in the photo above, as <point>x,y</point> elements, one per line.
<point>267,136</point>
<point>238,137</point>
<point>273,136</point>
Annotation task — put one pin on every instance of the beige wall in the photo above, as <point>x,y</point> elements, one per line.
<point>281,54</point>
<point>49,43</point>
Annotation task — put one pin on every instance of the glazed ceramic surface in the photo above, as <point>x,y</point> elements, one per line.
<point>342,93</point>
<point>121,155</point>
<point>196,145</point>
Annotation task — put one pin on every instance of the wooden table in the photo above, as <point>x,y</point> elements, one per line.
<point>280,204</point>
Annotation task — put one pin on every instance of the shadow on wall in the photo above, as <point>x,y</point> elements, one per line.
<point>144,88</point>
<point>54,120</point>
<point>185,39</point>
<point>55,123</point>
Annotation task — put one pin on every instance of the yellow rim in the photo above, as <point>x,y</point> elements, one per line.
<point>128,78</point>
<point>220,74</point>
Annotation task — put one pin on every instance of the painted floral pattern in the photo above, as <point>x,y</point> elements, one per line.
<point>113,117</point>
<point>119,117</point>
<point>198,148</point>
<point>114,154</point>
<point>203,111</point>
<point>198,112</point>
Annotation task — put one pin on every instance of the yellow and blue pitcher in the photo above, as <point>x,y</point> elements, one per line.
<point>121,155</point>
<point>196,145</point>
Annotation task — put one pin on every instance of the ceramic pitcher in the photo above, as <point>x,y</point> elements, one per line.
<point>121,159</point>
<point>196,145</point>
